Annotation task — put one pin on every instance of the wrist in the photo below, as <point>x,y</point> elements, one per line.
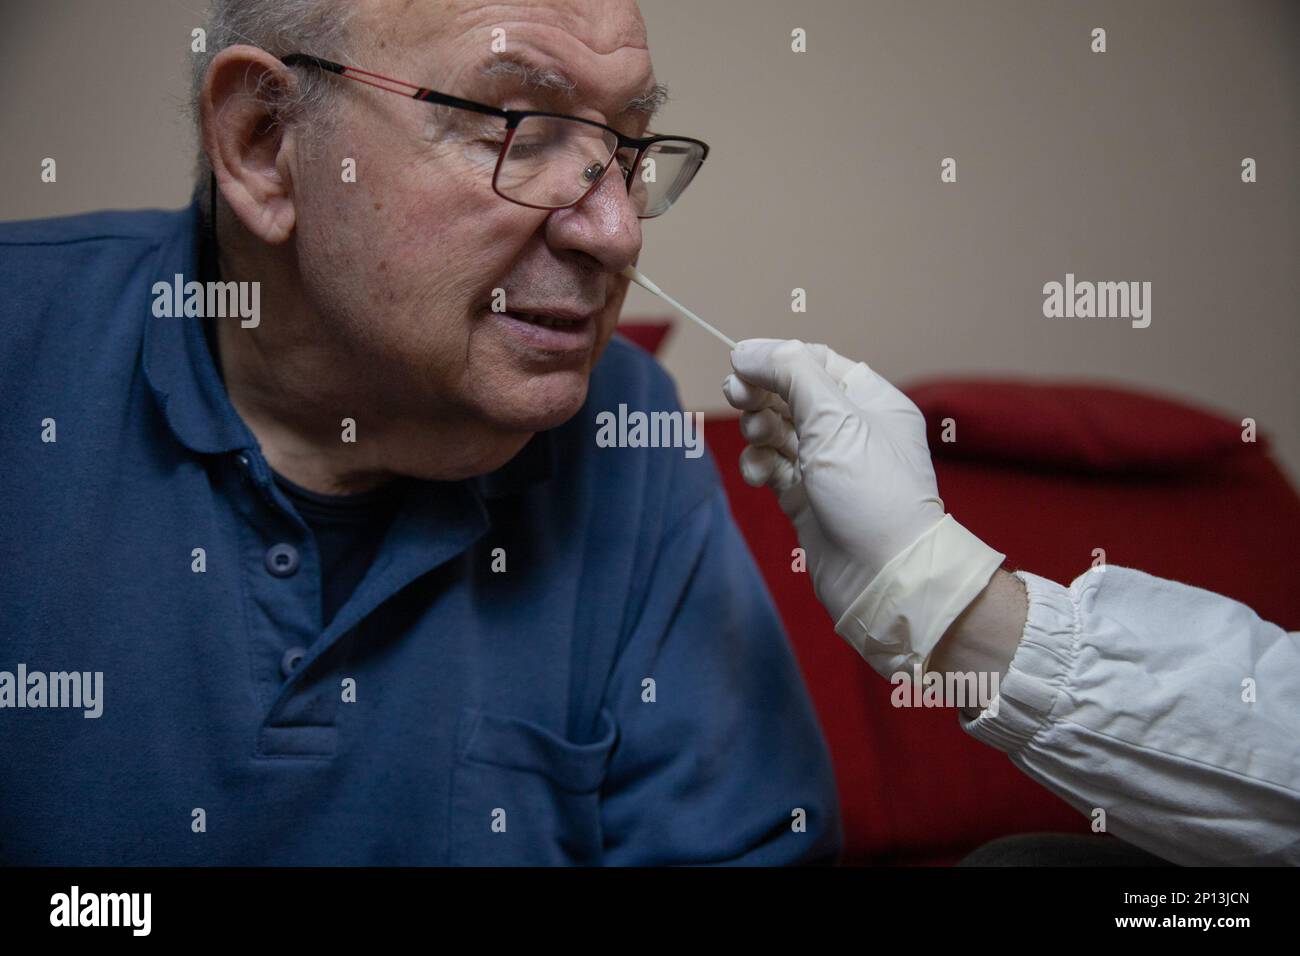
<point>910,604</point>
<point>984,637</point>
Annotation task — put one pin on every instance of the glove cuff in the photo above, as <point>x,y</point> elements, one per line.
<point>900,617</point>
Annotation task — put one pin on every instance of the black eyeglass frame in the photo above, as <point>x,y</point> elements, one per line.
<point>513,118</point>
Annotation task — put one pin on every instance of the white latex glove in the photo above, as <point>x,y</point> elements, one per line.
<point>846,453</point>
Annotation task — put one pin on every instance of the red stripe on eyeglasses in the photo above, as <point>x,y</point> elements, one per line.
<point>395,86</point>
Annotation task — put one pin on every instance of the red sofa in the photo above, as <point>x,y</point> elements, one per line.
<point>1045,472</point>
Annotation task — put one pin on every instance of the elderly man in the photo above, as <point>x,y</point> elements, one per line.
<point>353,578</point>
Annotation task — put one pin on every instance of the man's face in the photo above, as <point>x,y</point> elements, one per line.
<point>401,265</point>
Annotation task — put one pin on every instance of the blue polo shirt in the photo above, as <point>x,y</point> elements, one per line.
<point>347,530</point>
<point>572,659</point>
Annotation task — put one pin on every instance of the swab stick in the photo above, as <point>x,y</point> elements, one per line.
<point>650,287</point>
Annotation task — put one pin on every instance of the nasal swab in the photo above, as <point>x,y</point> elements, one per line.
<point>649,286</point>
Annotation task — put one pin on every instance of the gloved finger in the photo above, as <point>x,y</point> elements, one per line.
<point>789,368</point>
<point>864,386</point>
<point>766,428</point>
<point>849,374</point>
<point>874,393</point>
<point>750,398</point>
<point>836,365</point>
<point>757,465</point>
<point>743,396</point>
<point>765,466</point>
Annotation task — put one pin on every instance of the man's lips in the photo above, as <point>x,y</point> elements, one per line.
<point>550,329</point>
<point>552,318</point>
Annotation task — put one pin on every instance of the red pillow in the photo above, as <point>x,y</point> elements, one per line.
<point>647,333</point>
<point>1093,428</point>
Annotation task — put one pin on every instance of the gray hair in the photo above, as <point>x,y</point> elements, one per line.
<point>279,27</point>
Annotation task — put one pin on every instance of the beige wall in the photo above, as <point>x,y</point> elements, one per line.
<point>825,175</point>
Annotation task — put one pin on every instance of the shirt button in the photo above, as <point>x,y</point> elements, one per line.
<point>241,462</point>
<point>291,659</point>
<point>282,560</point>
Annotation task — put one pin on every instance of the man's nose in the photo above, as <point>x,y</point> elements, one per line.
<point>604,225</point>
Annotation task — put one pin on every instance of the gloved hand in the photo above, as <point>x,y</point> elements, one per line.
<point>846,453</point>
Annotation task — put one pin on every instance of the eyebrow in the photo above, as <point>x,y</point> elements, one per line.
<point>556,81</point>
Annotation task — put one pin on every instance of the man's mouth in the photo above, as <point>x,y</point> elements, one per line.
<point>557,331</point>
<point>549,320</point>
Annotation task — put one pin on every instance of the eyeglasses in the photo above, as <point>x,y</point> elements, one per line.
<point>553,161</point>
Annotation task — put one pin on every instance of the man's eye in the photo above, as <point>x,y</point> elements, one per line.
<point>520,149</point>
<point>516,143</point>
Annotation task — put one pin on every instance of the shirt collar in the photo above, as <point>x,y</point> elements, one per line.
<point>180,367</point>
<point>178,363</point>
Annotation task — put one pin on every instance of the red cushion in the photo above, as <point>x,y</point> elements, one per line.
<point>1079,426</point>
<point>913,786</point>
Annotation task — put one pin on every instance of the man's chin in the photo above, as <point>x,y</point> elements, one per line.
<point>540,404</point>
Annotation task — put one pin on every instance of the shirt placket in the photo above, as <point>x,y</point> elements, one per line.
<point>296,689</point>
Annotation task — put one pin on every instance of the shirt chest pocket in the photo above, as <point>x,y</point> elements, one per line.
<point>523,796</point>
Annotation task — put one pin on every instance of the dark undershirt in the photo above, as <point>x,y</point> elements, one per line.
<point>348,530</point>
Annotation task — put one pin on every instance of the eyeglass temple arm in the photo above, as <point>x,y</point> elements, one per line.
<point>391,85</point>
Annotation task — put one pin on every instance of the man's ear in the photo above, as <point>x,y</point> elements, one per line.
<point>248,144</point>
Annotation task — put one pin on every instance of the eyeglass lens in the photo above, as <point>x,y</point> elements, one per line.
<point>552,162</point>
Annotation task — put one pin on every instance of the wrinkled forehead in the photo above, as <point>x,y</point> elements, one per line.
<point>599,46</point>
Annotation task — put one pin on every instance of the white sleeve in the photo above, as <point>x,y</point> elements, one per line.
<point>1173,709</point>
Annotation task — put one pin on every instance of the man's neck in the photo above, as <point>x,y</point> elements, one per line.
<point>316,418</point>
